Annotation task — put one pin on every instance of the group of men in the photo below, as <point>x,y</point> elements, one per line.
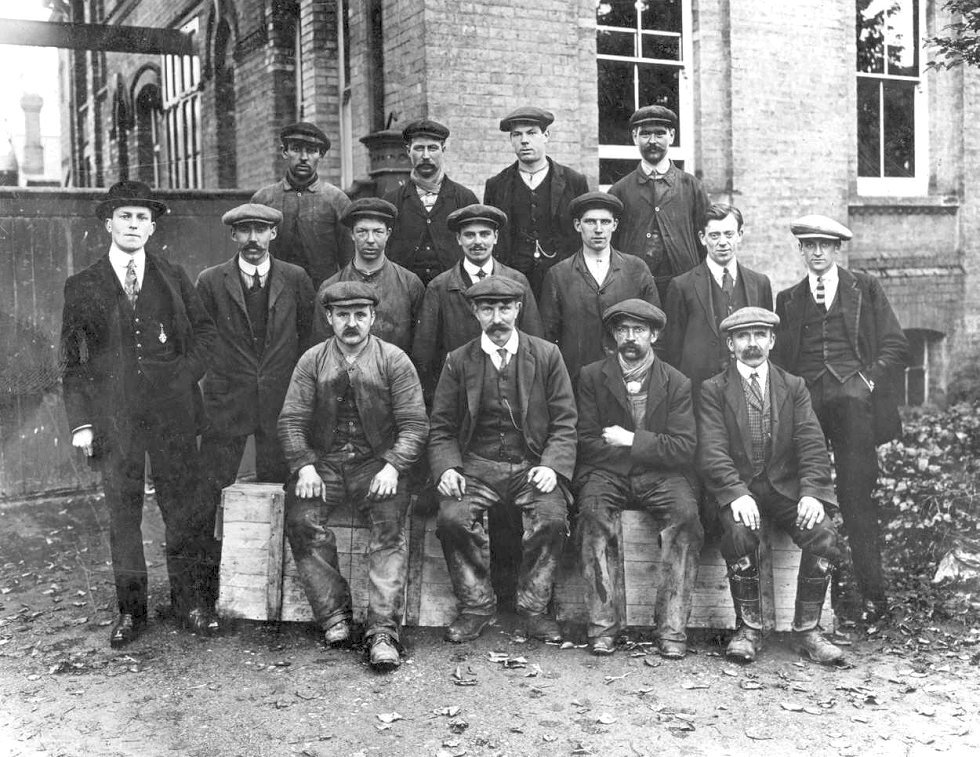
<point>552,351</point>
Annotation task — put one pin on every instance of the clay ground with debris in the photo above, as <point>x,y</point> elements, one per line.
<point>910,687</point>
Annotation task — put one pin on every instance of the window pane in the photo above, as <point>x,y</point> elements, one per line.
<point>902,39</point>
<point>660,85</point>
<point>664,48</point>
<point>870,27</point>
<point>615,43</point>
<point>616,13</point>
<point>869,128</point>
<point>899,128</point>
<point>616,101</point>
<point>661,15</point>
<point>611,171</point>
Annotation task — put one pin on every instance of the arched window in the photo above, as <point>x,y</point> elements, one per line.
<point>149,111</point>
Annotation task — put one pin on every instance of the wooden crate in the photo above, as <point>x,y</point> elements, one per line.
<point>259,580</point>
<point>712,607</point>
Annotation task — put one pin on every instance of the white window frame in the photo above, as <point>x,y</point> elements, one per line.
<point>911,186</point>
<point>182,114</point>
<point>685,150</point>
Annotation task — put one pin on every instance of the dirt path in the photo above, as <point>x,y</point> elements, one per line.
<point>262,690</point>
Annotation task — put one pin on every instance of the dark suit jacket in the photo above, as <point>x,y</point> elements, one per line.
<point>566,184</point>
<point>691,340</point>
<point>447,319</point>
<point>412,222</point>
<point>547,406</point>
<point>91,339</point>
<point>874,333</point>
<point>244,389</point>
<point>799,464</point>
<point>572,304</point>
<point>665,443</point>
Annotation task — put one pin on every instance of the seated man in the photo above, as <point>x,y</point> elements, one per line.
<point>503,435</point>
<point>761,452</point>
<point>353,422</point>
<point>636,441</point>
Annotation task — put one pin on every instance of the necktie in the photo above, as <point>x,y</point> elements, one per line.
<point>820,295</point>
<point>727,288</point>
<point>755,387</point>
<point>504,357</point>
<point>481,274</point>
<point>131,285</point>
<point>256,281</point>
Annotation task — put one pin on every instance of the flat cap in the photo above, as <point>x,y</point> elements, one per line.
<point>133,193</point>
<point>592,200</point>
<point>745,318</point>
<point>654,114</point>
<point>253,212</point>
<point>819,227</point>
<point>342,293</point>
<point>303,131</point>
<point>373,207</point>
<point>425,128</point>
<point>635,308</point>
<point>476,213</point>
<point>527,114</point>
<point>495,288</point>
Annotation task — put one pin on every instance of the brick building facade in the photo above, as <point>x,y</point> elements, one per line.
<point>786,108</point>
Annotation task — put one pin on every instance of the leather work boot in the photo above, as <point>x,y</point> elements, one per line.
<point>540,627</point>
<point>337,634</point>
<point>468,626</point>
<point>603,646</point>
<point>125,630</point>
<point>384,653</point>
<point>745,644</point>
<point>817,648</point>
<point>672,650</point>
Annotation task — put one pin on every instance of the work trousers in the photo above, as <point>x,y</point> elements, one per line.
<point>461,527</point>
<point>314,544</point>
<point>672,502</point>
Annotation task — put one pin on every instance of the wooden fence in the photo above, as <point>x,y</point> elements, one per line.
<point>45,236</point>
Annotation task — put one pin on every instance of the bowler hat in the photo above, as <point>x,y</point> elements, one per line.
<point>253,212</point>
<point>655,114</point>
<point>745,318</point>
<point>342,293</point>
<point>303,131</point>
<point>373,207</point>
<point>476,213</point>
<point>635,308</point>
<point>819,227</point>
<point>495,288</point>
<point>132,193</point>
<point>527,114</point>
<point>592,200</point>
<point>425,128</point>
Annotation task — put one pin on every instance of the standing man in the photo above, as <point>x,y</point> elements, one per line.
<point>534,192</point>
<point>636,441</point>
<point>762,454</point>
<point>263,310</point>
<point>578,290</point>
<point>663,204</point>
<point>503,435</point>
<point>421,240</point>
<point>399,291</point>
<point>840,334</point>
<point>352,425</point>
<point>699,300</point>
<point>310,234</point>
<point>135,339</point>
<point>447,320</point>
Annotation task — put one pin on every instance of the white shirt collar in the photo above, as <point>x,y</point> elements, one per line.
<point>120,262</point>
<point>717,271</point>
<point>491,349</point>
<point>830,279</point>
<point>473,269</point>
<point>649,169</point>
<point>746,372</point>
<point>249,269</point>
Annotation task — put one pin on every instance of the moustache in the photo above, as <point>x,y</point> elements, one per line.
<point>753,352</point>
<point>350,331</point>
